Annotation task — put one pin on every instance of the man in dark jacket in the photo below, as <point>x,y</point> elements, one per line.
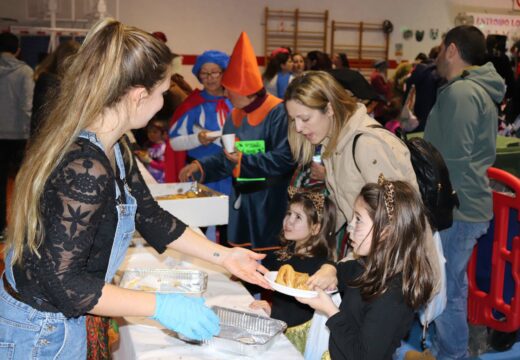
<point>426,80</point>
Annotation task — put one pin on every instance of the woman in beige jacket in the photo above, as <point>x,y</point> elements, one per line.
<point>322,112</point>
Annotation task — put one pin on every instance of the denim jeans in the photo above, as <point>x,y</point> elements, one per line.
<point>29,334</point>
<point>450,340</point>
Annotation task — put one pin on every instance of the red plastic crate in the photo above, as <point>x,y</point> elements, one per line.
<point>481,304</point>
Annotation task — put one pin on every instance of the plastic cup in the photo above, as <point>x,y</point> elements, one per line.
<point>228,140</point>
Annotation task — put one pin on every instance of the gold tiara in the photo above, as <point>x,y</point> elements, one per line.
<point>389,195</point>
<point>318,199</point>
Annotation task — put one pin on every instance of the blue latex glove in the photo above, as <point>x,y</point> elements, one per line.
<point>186,315</point>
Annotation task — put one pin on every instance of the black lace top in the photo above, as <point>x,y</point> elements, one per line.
<point>79,216</point>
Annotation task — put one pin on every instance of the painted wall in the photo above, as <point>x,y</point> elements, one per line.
<point>193,26</point>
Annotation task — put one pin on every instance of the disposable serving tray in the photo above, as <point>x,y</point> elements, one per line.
<point>197,211</point>
<point>184,281</point>
<point>245,333</point>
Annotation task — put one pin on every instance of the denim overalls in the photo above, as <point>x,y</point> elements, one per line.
<point>26,333</point>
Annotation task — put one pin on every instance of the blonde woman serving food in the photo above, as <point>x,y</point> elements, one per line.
<point>78,199</point>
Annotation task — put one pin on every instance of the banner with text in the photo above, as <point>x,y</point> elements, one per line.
<point>496,24</point>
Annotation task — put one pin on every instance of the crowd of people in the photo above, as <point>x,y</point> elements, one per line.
<point>307,181</point>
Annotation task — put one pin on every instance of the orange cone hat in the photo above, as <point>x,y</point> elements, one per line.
<point>242,75</point>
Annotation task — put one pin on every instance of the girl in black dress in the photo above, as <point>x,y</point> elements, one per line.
<point>390,278</point>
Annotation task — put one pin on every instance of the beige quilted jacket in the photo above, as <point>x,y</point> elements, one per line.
<point>377,151</point>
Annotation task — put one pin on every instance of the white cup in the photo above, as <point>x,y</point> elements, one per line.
<point>228,140</point>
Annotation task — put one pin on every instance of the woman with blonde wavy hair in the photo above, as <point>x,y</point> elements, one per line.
<point>78,199</point>
<point>322,112</point>
<point>355,148</point>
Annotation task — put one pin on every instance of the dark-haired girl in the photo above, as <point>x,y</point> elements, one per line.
<point>308,242</point>
<point>390,278</point>
<point>278,73</point>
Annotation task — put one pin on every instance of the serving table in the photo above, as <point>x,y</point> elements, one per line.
<point>142,338</point>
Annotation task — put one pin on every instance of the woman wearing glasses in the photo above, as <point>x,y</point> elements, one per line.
<point>203,113</point>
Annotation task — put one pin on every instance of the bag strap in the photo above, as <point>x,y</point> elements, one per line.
<point>356,138</point>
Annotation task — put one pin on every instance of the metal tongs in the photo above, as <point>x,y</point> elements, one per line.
<point>195,187</point>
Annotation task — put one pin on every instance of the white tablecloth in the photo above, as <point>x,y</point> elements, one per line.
<point>142,338</point>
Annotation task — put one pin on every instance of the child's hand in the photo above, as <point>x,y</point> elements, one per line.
<point>322,303</point>
<point>187,172</point>
<point>318,172</point>
<point>261,304</point>
<point>325,278</point>
<point>143,156</point>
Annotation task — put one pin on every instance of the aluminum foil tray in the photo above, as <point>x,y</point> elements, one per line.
<point>189,191</point>
<point>165,280</point>
<point>245,333</point>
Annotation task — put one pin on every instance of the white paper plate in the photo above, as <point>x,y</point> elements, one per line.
<point>271,277</point>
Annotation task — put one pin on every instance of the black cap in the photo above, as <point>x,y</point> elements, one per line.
<point>379,63</point>
<point>356,83</point>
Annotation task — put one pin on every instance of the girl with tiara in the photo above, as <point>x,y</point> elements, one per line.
<point>308,242</point>
<point>390,278</point>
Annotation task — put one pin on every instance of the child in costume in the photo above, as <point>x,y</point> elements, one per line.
<point>298,64</point>
<point>153,156</point>
<point>390,278</point>
<point>308,242</point>
<point>203,113</point>
<point>260,178</point>
<point>278,73</point>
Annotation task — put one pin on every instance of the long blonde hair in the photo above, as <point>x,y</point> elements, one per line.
<point>113,59</point>
<point>316,89</point>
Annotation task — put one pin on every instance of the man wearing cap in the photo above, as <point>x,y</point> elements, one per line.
<point>262,170</point>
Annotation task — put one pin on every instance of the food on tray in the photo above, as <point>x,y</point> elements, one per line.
<point>287,276</point>
<point>165,280</point>
<point>187,195</point>
<point>147,288</point>
<point>151,283</point>
<point>141,152</point>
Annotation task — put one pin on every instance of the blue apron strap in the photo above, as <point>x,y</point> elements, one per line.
<point>89,135</point>
<point>119,161</point>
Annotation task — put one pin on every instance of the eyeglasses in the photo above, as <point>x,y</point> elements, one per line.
<point>212,75</point>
